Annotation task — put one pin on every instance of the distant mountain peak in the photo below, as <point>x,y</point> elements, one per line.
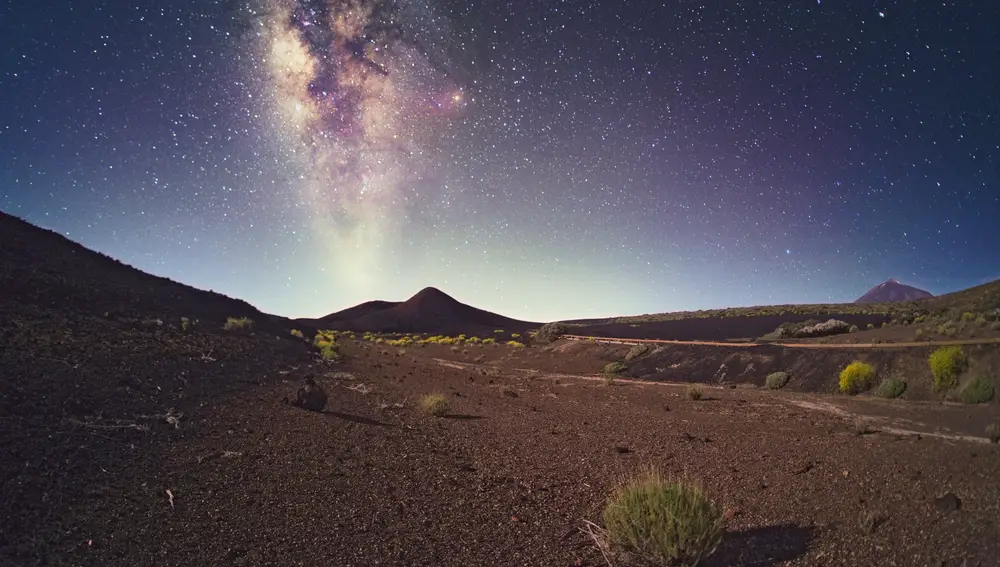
<point>892,290</point>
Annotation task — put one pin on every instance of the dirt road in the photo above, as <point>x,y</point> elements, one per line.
<point>835,346</point>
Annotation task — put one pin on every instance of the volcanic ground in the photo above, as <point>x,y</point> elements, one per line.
<point>132,437</point>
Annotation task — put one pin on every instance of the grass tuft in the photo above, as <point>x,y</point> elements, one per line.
<point>662,522</point>
<point>695,392</point>
<point>238,324</point>
<point>434,404</point>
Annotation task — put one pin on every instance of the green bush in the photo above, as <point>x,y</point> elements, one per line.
<point>614,368</point>
<point>870,326</point>
<point>661,522</point>
<point>856,377</point>
<point>434,404</point>
<point>976,390</point>
<point>946,365</point>
<point>890,388</point>
<point>776,380</point>
<point>238,324</point>
<point>297,334</point>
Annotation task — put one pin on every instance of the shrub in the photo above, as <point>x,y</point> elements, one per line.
<point>976,390</point>
<point>297,334</point>
<point>515,335</point>
<point>185,324</point>
<point>830,327</point>
<point>329,351</point>
<point>515,344</point>
<point>238,324</point>
<point>636,351</point>
<point>489,341</point>
<point>776,380</point>
<point>661,522</point>
<point>614,368</point>
<point>946,364</point>
<point>694,392</point>
<point>856,377</point>
<point>870,326</point>
<point>853,329</point>
<point>550,332</point>
<point>890,388</point>
<point>434,404</point>
<point>968,316</point>
<point>993,432</point>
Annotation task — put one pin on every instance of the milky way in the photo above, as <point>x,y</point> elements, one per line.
<point>356,100</point>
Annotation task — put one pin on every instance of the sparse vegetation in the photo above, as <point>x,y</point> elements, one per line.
<point>614,368</point>
<point>238,324</point>
<point>298,334</point>
<point>870,326</point>
<point>661,522</point>
<point>185,324</point>
<point>695,392</point>
<point>856,377</point>
<point>947,363</point>
<point>993,432</point>
<point>636,352</point>
<point>776,380</point>
<point>434,404</point>
<point>329,351</point>
<point>976,390</point>
<point>515,344</point>
<point>489,341</point>
<point>550,332</point>
<point>890,388</point>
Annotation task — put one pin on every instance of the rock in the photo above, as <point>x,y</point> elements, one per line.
<point>948,502</point>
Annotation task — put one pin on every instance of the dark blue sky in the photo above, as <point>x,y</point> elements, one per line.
<point>542,159</point>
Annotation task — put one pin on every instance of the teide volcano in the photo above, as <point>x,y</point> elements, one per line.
<point>892,290</point>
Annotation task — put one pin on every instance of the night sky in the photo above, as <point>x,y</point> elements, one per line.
<point>543,159</point>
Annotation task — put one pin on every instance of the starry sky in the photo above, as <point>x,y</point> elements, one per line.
<point>544,159</point>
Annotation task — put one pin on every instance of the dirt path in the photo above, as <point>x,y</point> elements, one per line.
<point>943,421</point>
<point>840,346</point>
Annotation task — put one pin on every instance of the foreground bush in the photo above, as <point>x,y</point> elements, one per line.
<point>661,522</point>
<point>329,351</point>
<point>238,324</point>
<point>890,388</point>
<point>694,392</point>
<point>434,404</point>
<point>776,380</point>
<point>946,364</point>
<point>976,390</point>
<point>856,377</point>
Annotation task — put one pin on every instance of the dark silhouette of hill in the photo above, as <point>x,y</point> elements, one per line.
<point>892,291</point>
<point>429,311</point>
<point>94,362</point>
<point>358,311</point>
<point>43,268</point>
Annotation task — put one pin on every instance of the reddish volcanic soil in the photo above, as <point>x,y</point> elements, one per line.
<point>127,439</point>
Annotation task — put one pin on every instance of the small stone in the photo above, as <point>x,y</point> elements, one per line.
<point>948,502</point>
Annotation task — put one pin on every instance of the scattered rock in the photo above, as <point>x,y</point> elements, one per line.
<point>948,502</point>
